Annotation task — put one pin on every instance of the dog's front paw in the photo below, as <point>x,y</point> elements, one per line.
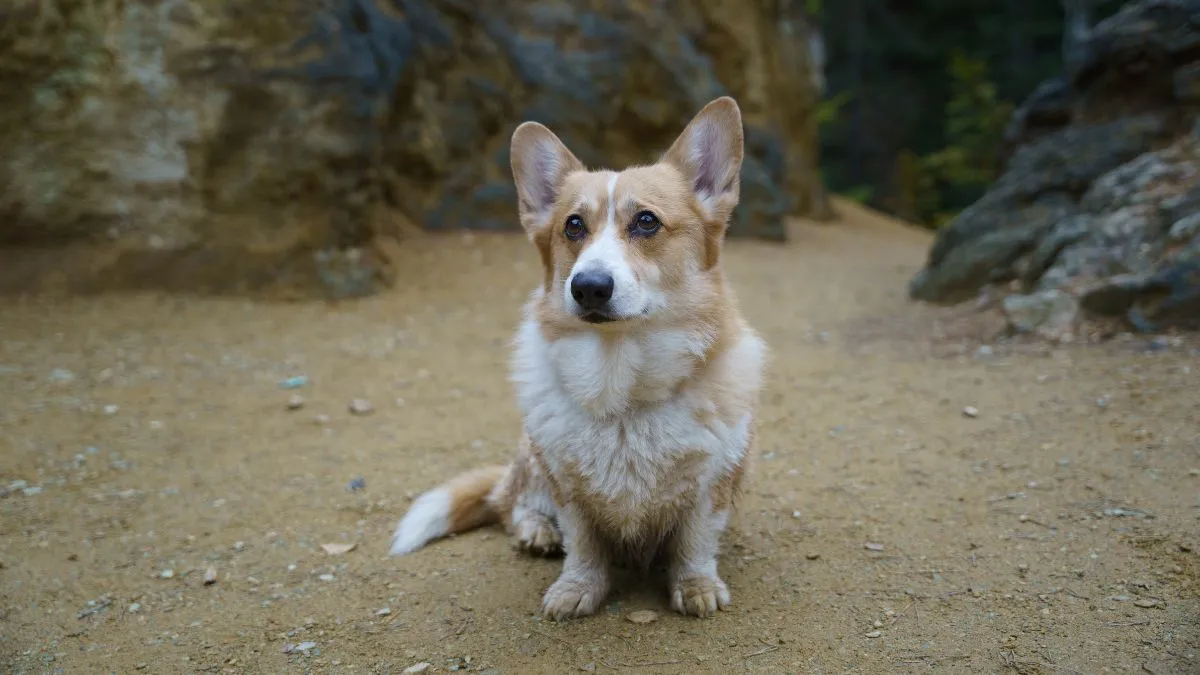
<point>538,535</point>
<point>571,598</point>
<point>699,596</point>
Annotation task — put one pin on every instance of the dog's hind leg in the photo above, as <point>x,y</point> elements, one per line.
<point>529,512</point>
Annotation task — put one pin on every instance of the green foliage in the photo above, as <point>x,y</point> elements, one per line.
<point>829,110</point>
<point>861,194</point>
<point>894,55</point>
<point>931,186</point>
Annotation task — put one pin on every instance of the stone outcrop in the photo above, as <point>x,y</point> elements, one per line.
<point>231,135</point>
<point>1098,203</point>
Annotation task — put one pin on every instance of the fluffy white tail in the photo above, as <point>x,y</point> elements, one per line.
<point>453,507</point>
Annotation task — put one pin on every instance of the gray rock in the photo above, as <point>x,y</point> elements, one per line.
<point>1179,206</point>
<point>1031,197</point>
<point>1173,299</point>
<point>1126,241</point>
<point>1185,229</point>
<point>1170,297</point>
<point>185,125</point>
<point>1134,182</point>
<point>982,245</point>
<point>1115,295</point>
<point>986,259</point>
<point>1187,83</point>
<point>1051,314</point>
<point>1100,195</point>
<point>1062,235</point>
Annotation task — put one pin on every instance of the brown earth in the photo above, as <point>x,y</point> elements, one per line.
<point>884,531</point>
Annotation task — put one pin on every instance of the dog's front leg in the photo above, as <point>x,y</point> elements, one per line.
<point>696,588</point>
<point>584,581</point>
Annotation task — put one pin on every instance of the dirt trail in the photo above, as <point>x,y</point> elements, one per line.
<point>884,531</point>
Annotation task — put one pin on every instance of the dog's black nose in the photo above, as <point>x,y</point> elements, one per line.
<point>592,290</point>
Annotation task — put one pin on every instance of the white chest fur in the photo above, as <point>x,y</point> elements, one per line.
<point>630,419</point>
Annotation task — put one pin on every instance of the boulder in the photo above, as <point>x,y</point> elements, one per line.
<point>249,142</point>
<point>1098,198</point>
<point>1051,314</point>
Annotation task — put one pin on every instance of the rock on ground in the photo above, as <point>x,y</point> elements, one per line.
<point>1100,197</point>
<point>233,145</point>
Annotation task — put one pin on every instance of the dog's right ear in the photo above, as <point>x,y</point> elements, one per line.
<point>540,163</point>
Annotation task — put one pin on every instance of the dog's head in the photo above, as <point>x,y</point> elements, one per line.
<point>638,245</point>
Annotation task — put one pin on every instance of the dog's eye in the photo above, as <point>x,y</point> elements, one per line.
<point>574,228</point>
<point>645,224</point>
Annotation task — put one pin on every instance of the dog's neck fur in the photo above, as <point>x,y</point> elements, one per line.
<point>608,373</point>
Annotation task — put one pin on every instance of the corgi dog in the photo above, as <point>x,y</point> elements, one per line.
<point>635,373</point>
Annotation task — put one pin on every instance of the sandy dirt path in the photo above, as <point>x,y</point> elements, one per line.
<point>146,439</point>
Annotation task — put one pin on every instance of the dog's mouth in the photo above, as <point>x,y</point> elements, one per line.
<point>598,317</point>
<point>595,317</point>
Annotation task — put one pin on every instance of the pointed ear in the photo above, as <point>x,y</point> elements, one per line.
<point>709,152</point>
<point>540,163</point>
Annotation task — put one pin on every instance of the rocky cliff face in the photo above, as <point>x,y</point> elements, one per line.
<point>248,142</point>
<point>1099,203</point>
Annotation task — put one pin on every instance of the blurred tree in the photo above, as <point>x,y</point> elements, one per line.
<point>918,71</point>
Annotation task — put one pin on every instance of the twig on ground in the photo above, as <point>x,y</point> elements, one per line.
<point>765,650</point>
<point>551,637</point>
<point>641,664</point>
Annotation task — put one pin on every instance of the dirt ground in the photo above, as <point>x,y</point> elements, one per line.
<point>147,439</point>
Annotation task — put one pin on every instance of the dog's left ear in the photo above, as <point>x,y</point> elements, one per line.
<point>709,153</point>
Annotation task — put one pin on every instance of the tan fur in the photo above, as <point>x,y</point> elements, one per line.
<point>468,491</point>
<point>610,486</point>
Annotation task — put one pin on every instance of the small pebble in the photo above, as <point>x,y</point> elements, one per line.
<point>210,576</point>
<point>361,406</point>
<point>293,382</point>
<point>326,577</point>
<point>296,402</point>
<point>417,668</point>
<point>971,411</point>
<point>111,409</point>
<point>134,608</point>
<point>642,616</point>
<point>338,549</point>
<point>61,375</point>
<point>875,634</point>
<point>32,490</point>
<point>812,556</point>
<point>356,484</point>
<point>878,623</point>
<point>321,419</point>
<point>873,547</point>
<point>239,546</point>
<point>1147,603</point>
<point>167,574</point>
<point>383,612</point>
